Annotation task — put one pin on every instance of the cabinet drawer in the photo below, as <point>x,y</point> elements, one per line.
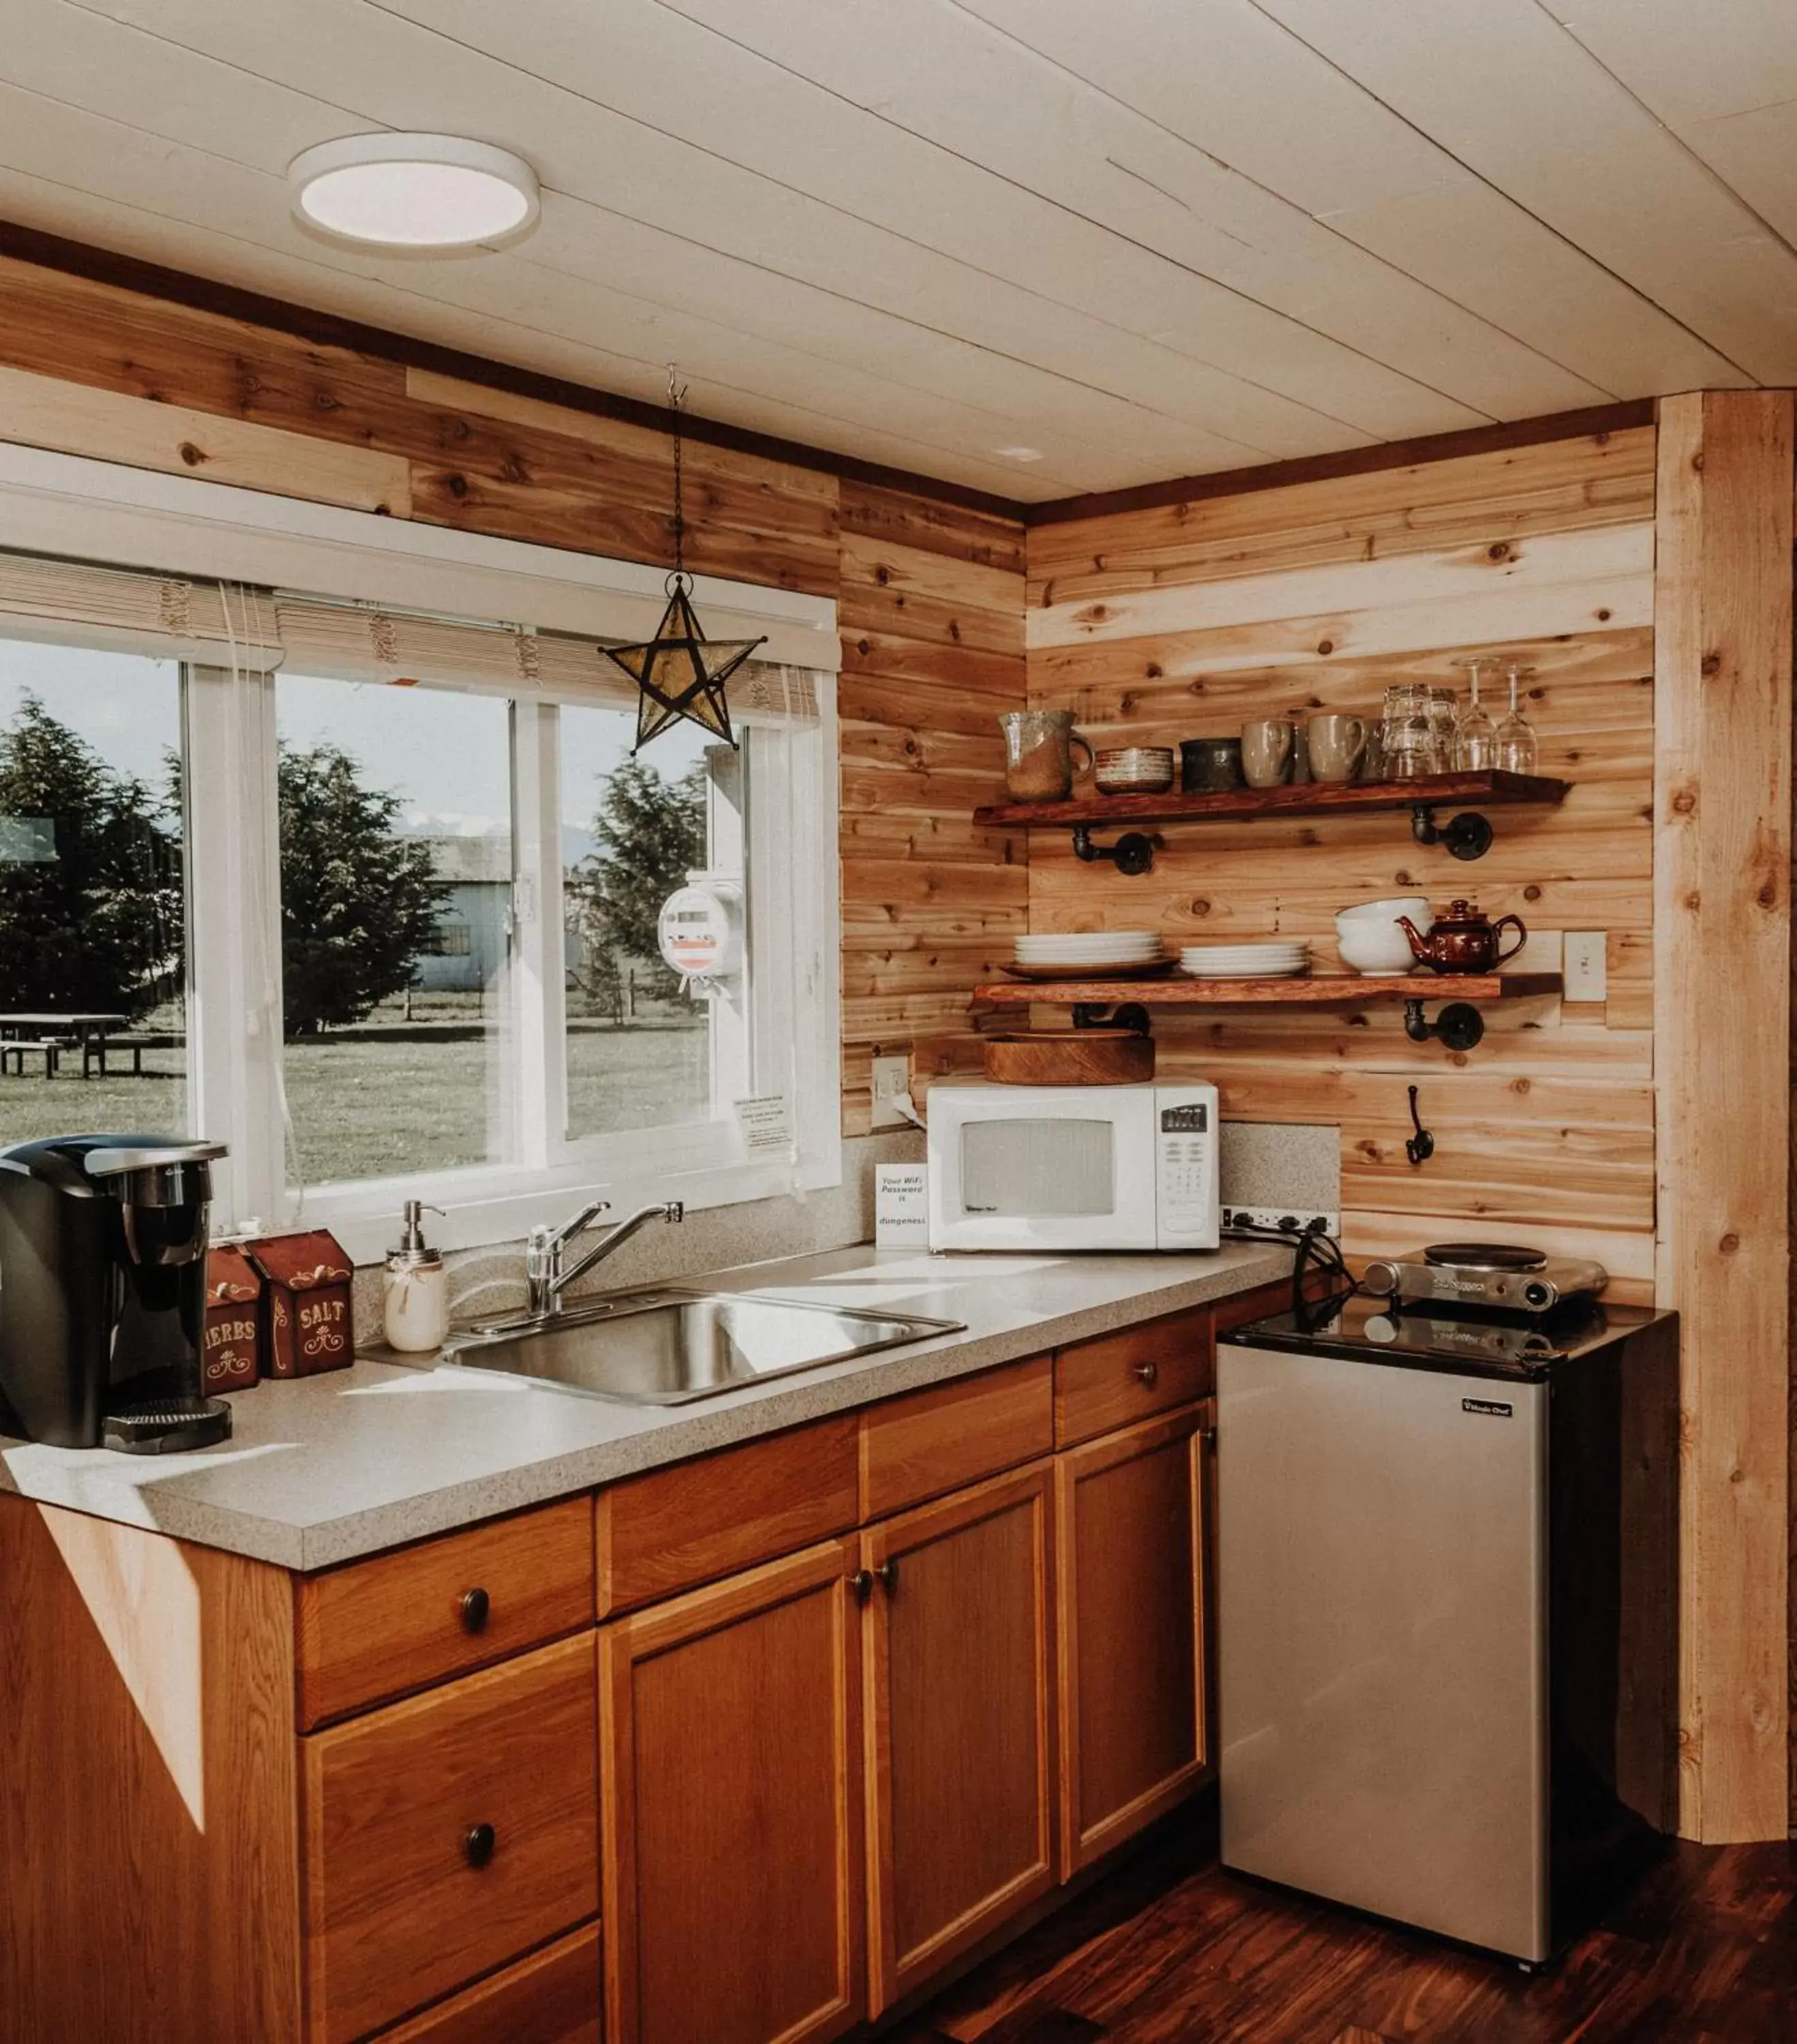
<point>929,1442</point>
<point>1108,1383</point>
<point>674,1528</point>
<point>552,1997</point>
<point>374,1630</point>
<point>446,1834</point>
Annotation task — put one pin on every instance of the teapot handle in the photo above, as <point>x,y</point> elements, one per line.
<point>1522,937</point>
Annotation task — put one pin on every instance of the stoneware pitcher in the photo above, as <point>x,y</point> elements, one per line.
<point>1038,754</point>
<point>1463,940</point>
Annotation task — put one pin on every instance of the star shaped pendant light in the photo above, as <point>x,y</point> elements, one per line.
<point>680,672</point>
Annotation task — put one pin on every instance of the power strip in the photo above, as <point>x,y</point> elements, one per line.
<point>1279,1220</point>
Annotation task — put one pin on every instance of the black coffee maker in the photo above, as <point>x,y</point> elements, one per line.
<point>102,1293</point>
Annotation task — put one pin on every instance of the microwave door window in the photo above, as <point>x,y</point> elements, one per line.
<point>1038,1169</point>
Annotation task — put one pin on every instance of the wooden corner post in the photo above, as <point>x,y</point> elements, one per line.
<point>1721,885</point>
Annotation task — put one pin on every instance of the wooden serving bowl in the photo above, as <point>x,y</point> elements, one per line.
<point>1071,1057</point>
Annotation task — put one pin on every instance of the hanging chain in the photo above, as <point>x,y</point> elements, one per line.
<point>677,398</point>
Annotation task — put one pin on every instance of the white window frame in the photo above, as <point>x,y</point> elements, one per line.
<point>133,518</point>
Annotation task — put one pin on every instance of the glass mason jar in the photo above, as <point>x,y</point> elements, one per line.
<point>1444,728</point>
<point>1406,733</point>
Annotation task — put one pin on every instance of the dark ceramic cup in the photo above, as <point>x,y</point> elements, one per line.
<point>1209,765</point>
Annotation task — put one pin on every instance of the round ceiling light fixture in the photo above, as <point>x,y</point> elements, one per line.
<point>414,194</point>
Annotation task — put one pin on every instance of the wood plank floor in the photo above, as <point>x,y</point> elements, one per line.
<point>1172,1950</point>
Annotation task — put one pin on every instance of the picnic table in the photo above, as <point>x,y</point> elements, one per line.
<point>50,1035</point>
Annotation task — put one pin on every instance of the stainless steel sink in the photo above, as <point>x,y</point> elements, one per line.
<point>669,1347</point>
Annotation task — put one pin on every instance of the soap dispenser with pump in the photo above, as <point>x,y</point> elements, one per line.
<point>416,1308</point>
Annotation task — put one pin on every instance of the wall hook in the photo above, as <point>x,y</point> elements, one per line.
<point>1421,1146</point>
<point>1133,853</point>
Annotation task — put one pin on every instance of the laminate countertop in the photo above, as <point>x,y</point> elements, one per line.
<point>326,1470</point>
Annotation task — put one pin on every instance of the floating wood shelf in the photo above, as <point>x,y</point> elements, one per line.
<point>1115,1003</point>
<point>1317,991</point>
<point>1467,836</point>
<point>1315,798</point>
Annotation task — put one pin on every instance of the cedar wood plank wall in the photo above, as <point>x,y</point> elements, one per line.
<point>1166,624</point>
<point>930,595</point>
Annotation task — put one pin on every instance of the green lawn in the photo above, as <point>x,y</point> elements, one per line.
<point>376,1102</point>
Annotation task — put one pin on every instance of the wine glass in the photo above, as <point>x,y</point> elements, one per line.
<point>1475,747</point>
<point>1517,750</point>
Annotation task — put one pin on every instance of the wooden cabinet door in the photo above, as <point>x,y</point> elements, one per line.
<point>960,1722</point>
<point>730,1744</point>
<point>446,1835</point>
<point>1129,1576</point>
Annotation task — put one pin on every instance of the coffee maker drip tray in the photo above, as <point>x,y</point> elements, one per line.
<point>168,1428</point>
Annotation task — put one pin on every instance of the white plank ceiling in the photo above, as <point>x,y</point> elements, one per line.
<point>1036,246</point>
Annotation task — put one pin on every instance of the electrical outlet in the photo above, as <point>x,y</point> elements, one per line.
<point>1288,1219</point>
<point>892,1082</point>
<point>1587,965</point>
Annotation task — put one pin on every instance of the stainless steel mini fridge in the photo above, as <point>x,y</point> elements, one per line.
<point>1447,1583</point>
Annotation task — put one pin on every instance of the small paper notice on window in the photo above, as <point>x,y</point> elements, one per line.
<point>765,1123</point>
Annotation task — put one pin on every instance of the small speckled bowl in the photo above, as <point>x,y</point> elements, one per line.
<point>1134,769</point>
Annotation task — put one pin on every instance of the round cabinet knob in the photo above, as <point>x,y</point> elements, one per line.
<point>476,1607</point>
<point>479,1845</point>
<point>887,1573</point>
<point>1145,1373</point>
<point>861,1583</point>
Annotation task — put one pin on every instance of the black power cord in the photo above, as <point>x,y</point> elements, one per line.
<point>1313,1248</point>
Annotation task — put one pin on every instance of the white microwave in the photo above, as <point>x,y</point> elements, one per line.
<point>1073,1167</point>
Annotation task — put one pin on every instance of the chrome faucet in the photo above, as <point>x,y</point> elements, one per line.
<point>544,1273</point>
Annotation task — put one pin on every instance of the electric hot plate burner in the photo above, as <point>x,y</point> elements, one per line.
<point>1510,1277</point>
<point>1484,1256</point>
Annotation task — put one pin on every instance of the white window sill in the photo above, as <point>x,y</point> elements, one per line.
<point>500,1204</point>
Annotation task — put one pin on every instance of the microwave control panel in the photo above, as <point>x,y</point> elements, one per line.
<point>1186,1171</point>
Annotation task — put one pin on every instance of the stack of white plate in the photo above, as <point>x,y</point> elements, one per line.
<point>1280,958</point>
<point>1090,949</point>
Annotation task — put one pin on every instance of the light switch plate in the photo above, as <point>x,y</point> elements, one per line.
<point>1585,965</point>
<point>892,1082</point>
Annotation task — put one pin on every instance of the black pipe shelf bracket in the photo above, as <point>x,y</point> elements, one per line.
<point>1459,1026</point>
<point>1133,853</point>
<point>1467,836</point>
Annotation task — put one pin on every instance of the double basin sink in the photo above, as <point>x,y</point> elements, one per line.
<point>668,1347</point>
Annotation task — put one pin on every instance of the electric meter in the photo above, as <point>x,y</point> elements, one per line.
<point>700,929</point>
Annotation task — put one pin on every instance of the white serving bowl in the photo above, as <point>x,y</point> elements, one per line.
<point>1375,945</point>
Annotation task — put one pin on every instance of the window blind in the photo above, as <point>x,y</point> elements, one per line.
<point>229,624</point>
<point>172,617</point>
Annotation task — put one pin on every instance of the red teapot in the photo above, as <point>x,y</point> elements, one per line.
<point>1463,940</point>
